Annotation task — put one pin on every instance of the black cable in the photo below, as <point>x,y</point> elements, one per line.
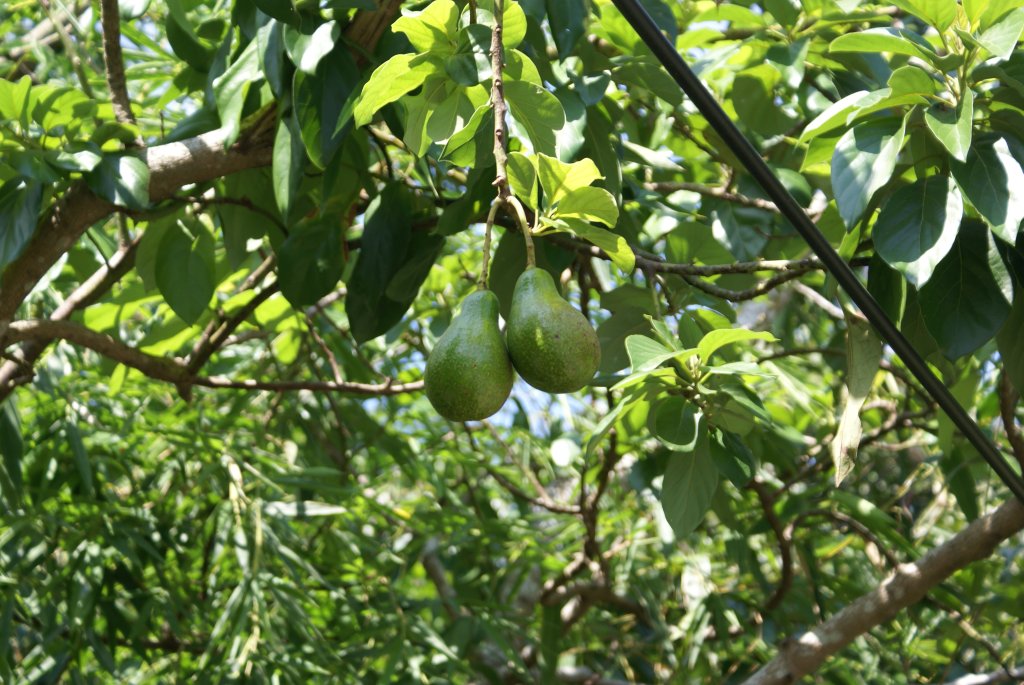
<point>705,102</point>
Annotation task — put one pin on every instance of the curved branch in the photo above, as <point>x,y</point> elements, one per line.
<point>176,371</point>
<point>171,166</point>
<point>908,585</point>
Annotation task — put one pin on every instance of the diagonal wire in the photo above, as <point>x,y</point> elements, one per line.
<point>666,53</point>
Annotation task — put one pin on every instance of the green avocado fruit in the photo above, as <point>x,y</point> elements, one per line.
<point>553,346</point>
<point>469,374</point>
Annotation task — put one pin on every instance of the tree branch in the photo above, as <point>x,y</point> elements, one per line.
<point>110,18</point>
<point>783,535</point>
<point>176,371</point>
<point>1008,397</point>
<point>908,585</point>
<point>98,283</point>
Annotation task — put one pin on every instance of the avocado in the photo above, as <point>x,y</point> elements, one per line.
<point>469,374</point>
<point>553,346</point>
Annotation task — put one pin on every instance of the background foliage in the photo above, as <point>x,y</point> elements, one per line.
<point>224,469</point>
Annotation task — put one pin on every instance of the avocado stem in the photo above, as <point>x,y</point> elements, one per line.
<point>524,228</point>
<point>486,256</point>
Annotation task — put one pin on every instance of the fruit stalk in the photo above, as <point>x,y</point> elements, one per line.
<point>499,107</point>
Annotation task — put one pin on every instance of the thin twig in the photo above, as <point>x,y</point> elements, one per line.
<point>784,538</point>
<point>1008,397</point>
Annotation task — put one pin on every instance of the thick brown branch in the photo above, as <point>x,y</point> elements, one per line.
<point>171,166</point>
<point>114,61</point>
<point>160,368</point>
<point>94,287</point>
<point>908,585</point>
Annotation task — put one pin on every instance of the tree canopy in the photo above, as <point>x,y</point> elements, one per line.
<point>233,231</point>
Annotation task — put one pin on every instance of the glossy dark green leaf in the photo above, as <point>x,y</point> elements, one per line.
<point>471,62</point>
<point>732,457</point>
<point>270,44</point>
<point>887,286</point>
<point>12,447</point>
<point>392,261</point>
<point>288,161</point>
<point>754,97</point>
<point>953,127</point>
<point>677,423</point>
<point>956,468</point>
<point>962,304</point>
<point>306,50</point>
<point>185,270</point>
<point>121,179</point>
<point>688,487</point>
<point>319,102</point>
<point>20,203</point>
<point>567,19</point>
<point>231,88</point>
<point>185,45</point>
<point>863,162</point>
<point>917,227</point>
<point>311,261</point>
<point>1010,342</point>
<point>282,10</point>
<point>992,180</point>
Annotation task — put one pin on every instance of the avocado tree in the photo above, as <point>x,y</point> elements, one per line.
<point>233,233</point>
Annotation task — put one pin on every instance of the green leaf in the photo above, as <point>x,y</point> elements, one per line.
<point>433,28</point>
<point>287,164</point>
<point>992,180</point>
<point>732,457</point>
<point>688,487</point>
<point>917,227</point>
<point>185,270</point>
<point>962,304</point>
<point>1001,38</point>
<point>231,88</point>
<point>951,127</point>
<point>392,263</point>
<point>12,448</point>
<point>538,111</point>
<point>390,81</point>
<point>956,469</point>
<point>754,97</point>
<point>834,116</point>
<point>121,179</point>
<point>614,245</point>
<point>522,178</point>
<point>646,354</point>
<point>471,145</point>
<point>677,423</point>
<point>888,288</point>
<point>282,10</point>
<point>319,102</point>
<point>471,62</point>
<point>311,261</point>
<point>307,50</point>
<point>20,203</point>
<point>911,80</point>
<point>559,178</point>
<point>588,204</point>
<point>719,338</point>
<point>1011,344</point>
<point>938,13</point>
<point>566,18</point>
<point>863,162</point>
<point>863,355</point>
<point>896,41</point>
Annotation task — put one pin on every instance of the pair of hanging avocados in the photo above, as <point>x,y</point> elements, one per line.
<point>553,347</point>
